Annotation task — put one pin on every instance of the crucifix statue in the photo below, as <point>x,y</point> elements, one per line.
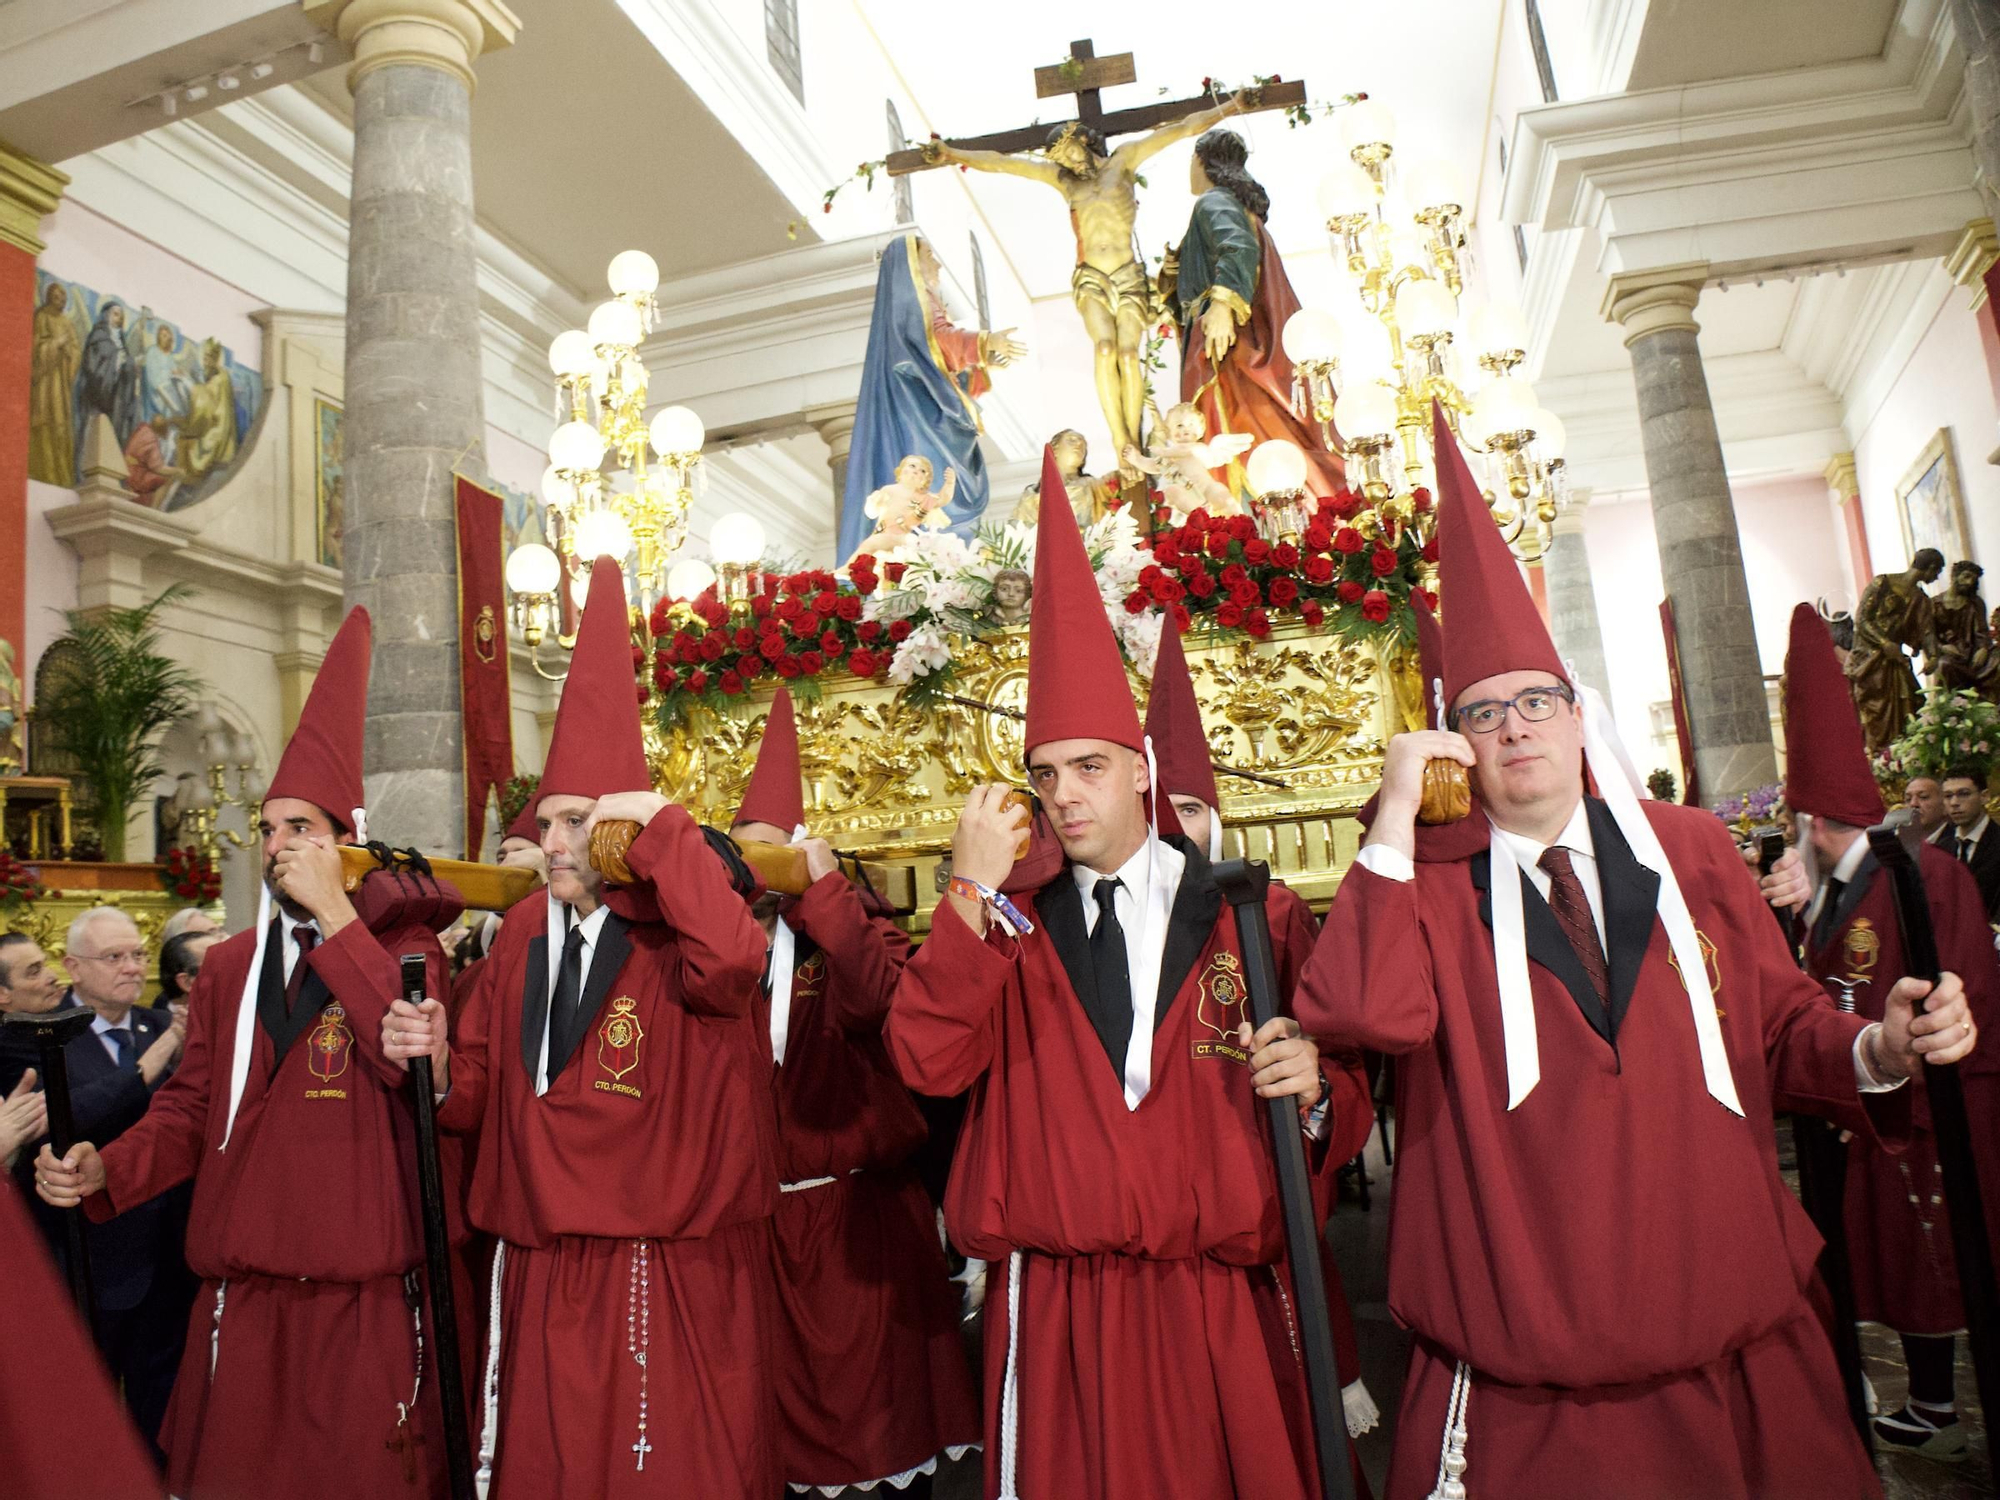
<point>1110,287</point>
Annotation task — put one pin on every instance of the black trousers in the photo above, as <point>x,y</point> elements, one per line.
<point>141,1346</point>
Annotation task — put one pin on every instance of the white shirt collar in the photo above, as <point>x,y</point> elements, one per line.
<point>1574,837</point>
<point>589,926</point>
<point>1848,863</point>
<point>1978,831</point>
<point>1133,872</point>
<point>99,1025</point>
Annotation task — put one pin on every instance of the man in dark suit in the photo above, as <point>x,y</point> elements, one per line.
<point>143,1288</point>
<point>1972,840</point>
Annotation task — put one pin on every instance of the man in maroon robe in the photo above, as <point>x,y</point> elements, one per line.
<point>873,1384</point>
<point>612,1063</point>
<point>302,1374</point>
<point>1186,778</point>
<point>1113,1156</point>
<point>1898,1236</point>
<point>1603,1268</point>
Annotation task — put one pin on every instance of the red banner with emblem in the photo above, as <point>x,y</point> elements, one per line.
<point>485,700</point>
<point>1690,782</point>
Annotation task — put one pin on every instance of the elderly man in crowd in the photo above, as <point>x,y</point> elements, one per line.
<point>28,986</point>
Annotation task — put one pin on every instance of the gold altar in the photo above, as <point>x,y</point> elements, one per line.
<point>133,888</point>
<point>885,778</point>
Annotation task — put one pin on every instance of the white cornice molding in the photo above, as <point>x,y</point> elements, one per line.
<point>1613,28</point>
<point>742,90</point>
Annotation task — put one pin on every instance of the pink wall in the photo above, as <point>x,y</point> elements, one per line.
<point>52,578</point>
<point>1944,384</point>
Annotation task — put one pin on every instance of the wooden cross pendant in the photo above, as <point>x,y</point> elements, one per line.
<point>406,1440</point>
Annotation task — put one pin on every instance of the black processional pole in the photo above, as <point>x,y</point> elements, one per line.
<point>50,1032</point>
<point>437,1257</point>
<point>1957,1160</point>
<point>1243,884</point>
<point>1822,1163</point>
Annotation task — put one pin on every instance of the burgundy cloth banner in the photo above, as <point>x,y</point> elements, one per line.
<point>485,699</point>
<point>1690,782</point>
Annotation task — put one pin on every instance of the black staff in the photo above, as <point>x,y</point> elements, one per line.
<point>437,1256</point>
<point>1822,1163</point>
<point>1953,1132</point>
<point>50,1033</point>
<point>1243,884</point>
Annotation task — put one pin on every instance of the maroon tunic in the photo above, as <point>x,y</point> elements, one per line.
<point>1153,1346</point>
<point>1617,1259</point>
<point>306,1232</point>
<point>1898,1234</point>
<point>872,1375</point>
<point>64,1434</point>
<point>633,1199</point>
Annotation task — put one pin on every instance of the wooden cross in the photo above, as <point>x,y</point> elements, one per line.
<point>405,1441</point>
<point>1086,75</point>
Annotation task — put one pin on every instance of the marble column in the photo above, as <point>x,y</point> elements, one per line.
<point>29,190</point>
<point>1977,23</point>
<point>414,397</point>
<point>1843,483</point>
<point>1694,521</point>
<point>1572,599</point>
<point>834,422</point>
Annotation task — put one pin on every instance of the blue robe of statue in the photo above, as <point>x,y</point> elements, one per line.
<point>911,402</point>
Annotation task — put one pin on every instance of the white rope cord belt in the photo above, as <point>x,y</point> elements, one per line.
<point>814,1182</point>
<point>1451,1458</point>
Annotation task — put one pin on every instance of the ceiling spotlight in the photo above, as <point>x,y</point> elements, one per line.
<point>261,71</point>
<point>229,83</point>
<point>196,92</point>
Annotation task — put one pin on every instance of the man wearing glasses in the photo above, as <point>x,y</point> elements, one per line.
<point>142,1284</point>
<point>1606,1274</point>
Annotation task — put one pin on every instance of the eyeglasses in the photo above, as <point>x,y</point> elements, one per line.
<point>1534,706</point>
<point>122,956</point>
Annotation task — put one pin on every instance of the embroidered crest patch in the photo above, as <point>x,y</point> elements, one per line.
<point>618,1042</point>
<point>1220,1008</point>
<point>1708,957</point>
<point>330,1046</point>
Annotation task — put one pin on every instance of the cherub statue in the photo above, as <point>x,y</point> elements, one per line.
<point>1011,590</point>
<point>899,509</point>
<point>1182,457</point>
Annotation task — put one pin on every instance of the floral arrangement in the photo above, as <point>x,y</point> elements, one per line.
<point>1661,784</point>
<point>1952,729</point>
<point>190,875</point>
<point>1890,773</point>
<point>515,793</point>
<point>1754,809</point>
<point>20,885</point>
<point>895,620</point>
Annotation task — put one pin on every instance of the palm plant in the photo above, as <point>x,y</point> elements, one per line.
<point>106,710</point>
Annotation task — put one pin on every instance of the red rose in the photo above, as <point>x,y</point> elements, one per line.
<point>894,572</point>
<point>1383,562</point>
<point>657,621</point>
<point>1242,528</point>
<point>1312,613</point>
<point>797,583</point>
<point>1347,505</point>
<point>1230,613</point>
<point>1166,547</point>
<point>771,647</point>
<point>789,608</point>
<point>824,580</point>
<point>862,663</point>
<point>849,607</point>
<point>1283,591</point>
<point>869,630</point>
<point>760,606</point>
<point>1420,500</point>
<point>1375,606</point>
<point>812,663</point>
<point>638,657</point>
<point>1319,536</point>
<point>1232,576</point>
<point>712,647</point>
<point>1256,551</point>
<point>713,612</point>
<point>1167,590</point>
<point>898,629</point>
<point>1431,550</point>
<point>1199,519</point>
<point>744,638</point>
<point>1349,591</point>
<point>698,682</point>
<point>1319,570</point>
<point>751,666</point>
<point>1257,623</point>
<point>787,666</point>
<point>1218,544</point>
<point>1201,585</point>
<point>1426,598</point>
<point>665,679</point>
<point>830,644</point>
<point>1182,619</point>
<point>682,640</point>
<point>825,605</point>
<point>1191,564</point>
<point>731,683</point>
<point>1347,540</point>
<point>1136,602</point>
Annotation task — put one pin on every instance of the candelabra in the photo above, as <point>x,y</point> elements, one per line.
<point>1369,374</point>
<point>197,806</point>
<point>617,485</point>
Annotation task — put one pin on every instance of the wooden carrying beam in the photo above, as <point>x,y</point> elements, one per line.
<point>483,887</point>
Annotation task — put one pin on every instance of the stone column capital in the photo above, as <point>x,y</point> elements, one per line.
<point>1645,302</point>
<point>443,34</point>
<point>1569,520</point>
<point>1842,477</point>
<point>29,192</point>
<point>1977,249</point>
<point>834,422</point>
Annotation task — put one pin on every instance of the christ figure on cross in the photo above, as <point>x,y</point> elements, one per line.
<point>1110,287</point>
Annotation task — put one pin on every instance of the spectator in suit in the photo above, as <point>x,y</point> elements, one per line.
<point>144,1289</point>
<point>29,985</point>
<point>180,961</point>
<point>1973,840</point>
<point>189,919</point>
<point>1925,798</point>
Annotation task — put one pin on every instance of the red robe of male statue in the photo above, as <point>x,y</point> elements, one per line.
<point>632,1201</point>
<point>1898,1237</point>
<point>1617,1259</point>
<point>305,1230</point>
<point>1153,1354</point>
<point>872,1377</point>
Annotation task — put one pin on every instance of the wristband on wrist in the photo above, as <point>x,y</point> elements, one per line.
<point>1006,911</point>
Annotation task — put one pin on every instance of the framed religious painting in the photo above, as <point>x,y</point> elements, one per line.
<point>329,499</point>
<point>1930,503</point>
